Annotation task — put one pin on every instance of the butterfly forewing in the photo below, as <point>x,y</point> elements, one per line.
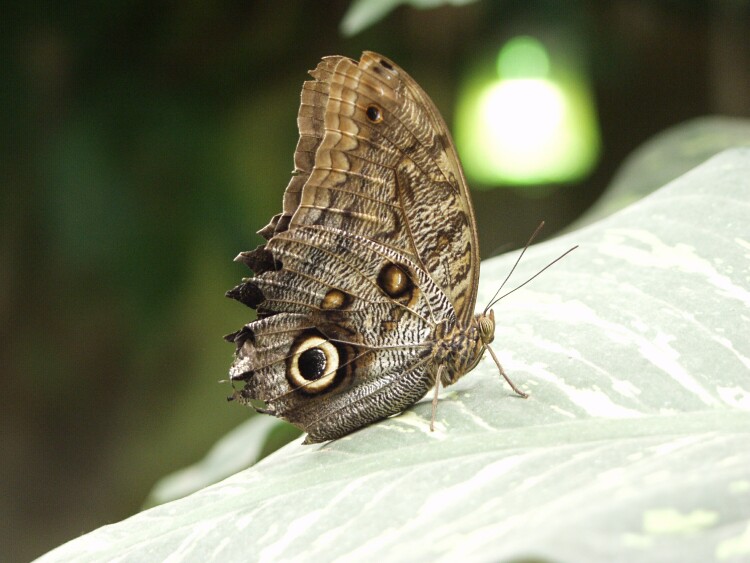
<point>391,177</point>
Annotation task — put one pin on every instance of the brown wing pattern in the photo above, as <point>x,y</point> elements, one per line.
<point>382,346</point>
<point>372,260</point>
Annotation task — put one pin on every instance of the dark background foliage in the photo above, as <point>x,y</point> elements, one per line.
<point>152,140</point>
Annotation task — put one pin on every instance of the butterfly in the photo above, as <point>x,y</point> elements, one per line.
<point>366,285</point>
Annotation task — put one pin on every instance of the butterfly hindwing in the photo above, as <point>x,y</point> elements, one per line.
<point>350,344</point>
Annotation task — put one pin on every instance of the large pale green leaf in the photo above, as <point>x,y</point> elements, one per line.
<point>632,446</point>
<point>666,156</point>
<point>241,448</point>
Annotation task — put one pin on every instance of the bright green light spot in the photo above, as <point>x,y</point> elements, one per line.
<point>522,121</point>
<point>536,124</point>
<point>523,57</point>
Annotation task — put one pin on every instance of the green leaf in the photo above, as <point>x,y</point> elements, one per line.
<point>364,13</point>
<point>241,448</point>
<point>667,156</point>
<point>632,445</point>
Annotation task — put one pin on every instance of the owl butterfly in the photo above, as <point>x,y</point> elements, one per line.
<point>365,289</point>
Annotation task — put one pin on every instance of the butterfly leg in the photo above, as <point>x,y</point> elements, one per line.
<point>435,398</point>
<point>505,375</point>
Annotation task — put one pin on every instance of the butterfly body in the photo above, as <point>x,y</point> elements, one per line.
<point>365,289</point>
<point>460,350</point>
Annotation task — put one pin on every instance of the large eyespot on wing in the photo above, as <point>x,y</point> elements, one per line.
<point>320,379</point>
<point>317,365</point>
<point>285,361</point>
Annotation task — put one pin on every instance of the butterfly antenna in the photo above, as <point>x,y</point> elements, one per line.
<point>499,289</point>
<point>563,255</point>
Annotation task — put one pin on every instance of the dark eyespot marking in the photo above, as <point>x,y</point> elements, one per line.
<point>374,114</point>
<point>394,280</point>
<point>336,299</point>
<point>386,64</point>
<point>312,364</point>
<point>316,365</point>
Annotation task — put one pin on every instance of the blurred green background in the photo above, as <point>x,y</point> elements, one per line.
<point>152,140</point>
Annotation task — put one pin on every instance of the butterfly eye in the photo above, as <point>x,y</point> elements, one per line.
<point>313,364</point>
<point>374,113</point>
<point>486,327</point>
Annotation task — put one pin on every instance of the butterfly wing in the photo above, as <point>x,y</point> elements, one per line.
<point>374,250</point>
<point>375,158</point>
<point>340,343</point>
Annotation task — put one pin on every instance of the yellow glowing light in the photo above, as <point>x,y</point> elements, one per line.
<point>527,127</point>
<point>521,119</point>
